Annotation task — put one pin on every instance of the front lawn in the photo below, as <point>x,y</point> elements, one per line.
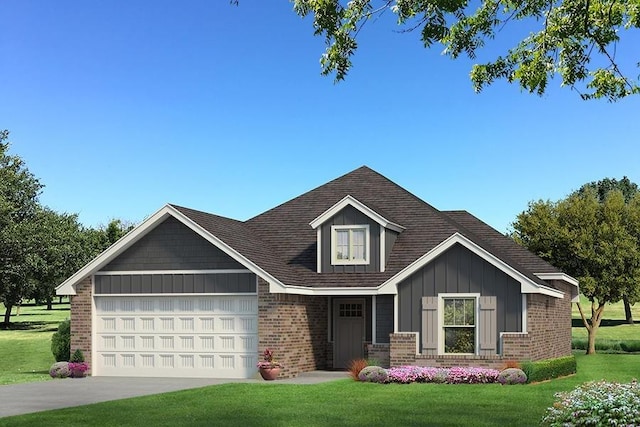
<point>342,402</point>
<point>613,327</point>
<point>25,348</point>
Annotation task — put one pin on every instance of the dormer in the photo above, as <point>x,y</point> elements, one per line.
<point>353,238</point>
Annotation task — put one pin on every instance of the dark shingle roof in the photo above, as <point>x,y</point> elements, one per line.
<point>501,245</point>
<point>281,241</point>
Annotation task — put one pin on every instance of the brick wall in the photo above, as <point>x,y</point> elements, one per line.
<point>295,327</point>
<point>81,319</point>
<point>548,336</point>
<point>549,324</point>
<point>403,348</point>
<point>379,353</point>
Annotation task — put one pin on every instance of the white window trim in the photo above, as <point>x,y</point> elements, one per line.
<point>441,298</point>
<point>334,242</point>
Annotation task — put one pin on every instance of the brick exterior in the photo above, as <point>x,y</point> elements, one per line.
<point>379,353</point>
<point>295,327</point>
<point>402,349</point>
<point>81,319</point>
<point>548,336</point>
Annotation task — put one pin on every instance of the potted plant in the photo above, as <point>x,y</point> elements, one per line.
<point>269,368</point>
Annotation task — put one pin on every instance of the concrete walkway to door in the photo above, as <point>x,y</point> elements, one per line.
<point>18,399</point>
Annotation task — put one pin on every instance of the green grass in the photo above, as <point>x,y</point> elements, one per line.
<point>343,402</point>
<point>25,348</point>
<point>613,326</point>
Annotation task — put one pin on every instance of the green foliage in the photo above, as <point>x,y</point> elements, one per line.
<point>61,342</point>
<point>596,404</point>
<point>593,237</point>
<point>573,39</point>
<point>542,370</point>
<point>342,402</point>
<point>19,191</point>
<point>608,346</point>
<point>77,356</point>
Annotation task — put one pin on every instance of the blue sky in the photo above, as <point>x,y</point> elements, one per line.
<point>121,107</point>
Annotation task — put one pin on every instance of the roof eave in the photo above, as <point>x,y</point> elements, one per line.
<point>349,200</point>
<point>68,286</point>
<point>526,284</point>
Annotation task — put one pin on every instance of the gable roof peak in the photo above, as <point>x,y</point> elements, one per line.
<point>349,200</point>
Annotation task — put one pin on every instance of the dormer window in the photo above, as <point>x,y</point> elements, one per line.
<point>349,244</point>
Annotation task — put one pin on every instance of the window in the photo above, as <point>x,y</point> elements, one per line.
<point>350,310</point>
<point>459,325</point>
<point>350,244</point>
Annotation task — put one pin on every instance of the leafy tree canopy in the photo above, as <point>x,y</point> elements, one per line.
<point>575,39</point>
<point>596,242</point>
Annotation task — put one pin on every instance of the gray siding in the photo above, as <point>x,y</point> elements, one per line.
<point>172,246</point>
<point>384,318</point>
<point>460,271</point>
<point>390,237</point>
<point>175,283</point>
<point>350,216</point>
<point>367,316</point>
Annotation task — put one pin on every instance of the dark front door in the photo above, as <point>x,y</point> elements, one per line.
<point>349,331</point>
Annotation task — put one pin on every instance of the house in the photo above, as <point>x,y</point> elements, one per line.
<point>358,267</point>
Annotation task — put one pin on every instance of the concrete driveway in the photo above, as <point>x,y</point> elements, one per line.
<point>18,399</point>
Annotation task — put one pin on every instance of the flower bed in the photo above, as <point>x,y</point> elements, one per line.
<point>596,404</point>
<point>455,375</point>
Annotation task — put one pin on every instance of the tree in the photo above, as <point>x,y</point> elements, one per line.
<point>592,241</point>
<point>575,39</point>
<point>63,248</point>
<point>19,191</point>
<point>628,190</point>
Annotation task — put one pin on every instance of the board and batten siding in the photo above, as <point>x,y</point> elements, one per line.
<point>350,216</point>
<point>175,283</point>
<point>458,270</point>
<point>172,246</point>
<point>384,318</point>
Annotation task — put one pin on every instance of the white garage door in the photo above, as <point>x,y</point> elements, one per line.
<point>176,336</point>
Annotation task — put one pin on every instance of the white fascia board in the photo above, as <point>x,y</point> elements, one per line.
<point>275,288</point>
<point>575,292</point>
<point>558,276</point>
<point>68,286</point>
<point>526,285</point>
<point>352,201</point>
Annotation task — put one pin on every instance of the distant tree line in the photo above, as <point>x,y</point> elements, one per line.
<point>39,248</point>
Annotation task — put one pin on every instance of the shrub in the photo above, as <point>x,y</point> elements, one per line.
<point>512,376</point>
<point>551,368</point>
<point>61,342</point>
<point>596,403</point>
<point>77,356</point>
<point>608,346</point>
<point>355,366</point>
<point>373,374</point>
<point>78,369</point>
<point>630,346</point>
<point>456,375</point>
<point>60,370</point>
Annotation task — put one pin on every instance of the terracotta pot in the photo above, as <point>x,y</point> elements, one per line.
<point>269,374</point>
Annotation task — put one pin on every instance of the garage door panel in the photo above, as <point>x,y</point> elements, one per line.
<point>200,336</point>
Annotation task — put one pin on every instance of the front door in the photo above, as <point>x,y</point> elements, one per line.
<point>348,315</point>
